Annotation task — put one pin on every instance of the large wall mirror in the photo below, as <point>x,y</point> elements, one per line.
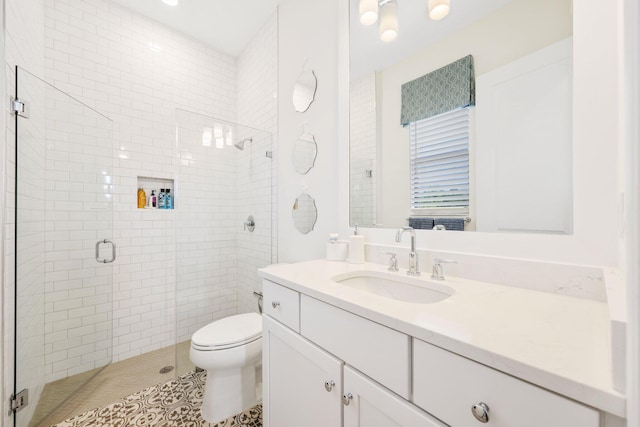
<point>520,139</point>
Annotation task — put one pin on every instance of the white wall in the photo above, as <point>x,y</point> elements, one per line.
<point>308,32</point>
<point>595,162</point>
<point>523,179</point>
<point>630,240</point>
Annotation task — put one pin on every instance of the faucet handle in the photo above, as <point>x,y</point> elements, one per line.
<point>393,261</point>
<point>438,272</point>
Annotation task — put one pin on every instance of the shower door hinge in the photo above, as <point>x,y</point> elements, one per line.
<point>19,401</point>
<point>20,107</point>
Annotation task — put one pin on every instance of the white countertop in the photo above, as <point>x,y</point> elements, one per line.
<point>556,342</point>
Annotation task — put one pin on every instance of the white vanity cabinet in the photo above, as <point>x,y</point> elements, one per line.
<point>379,352</point>
<point>464,393</point>
<point>282,304</point>
<point>326,366</point>
<point>367,404</point>
<point>302,384</point>
<point>306,385</point>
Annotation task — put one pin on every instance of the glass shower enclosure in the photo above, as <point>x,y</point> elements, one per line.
<point>224,221</point>
<point>59,247</point>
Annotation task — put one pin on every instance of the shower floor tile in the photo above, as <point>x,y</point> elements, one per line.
<point>109,384</point>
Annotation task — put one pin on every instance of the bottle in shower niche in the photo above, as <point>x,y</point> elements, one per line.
<point>161,199</point>
<point>153,200</point>
<point>142,198</point>
<point>168,199</point>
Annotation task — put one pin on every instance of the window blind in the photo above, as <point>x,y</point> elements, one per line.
<point>440,161</point>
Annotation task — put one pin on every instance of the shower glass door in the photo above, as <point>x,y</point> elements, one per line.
<point>223,203</point>
<point>62,250</point>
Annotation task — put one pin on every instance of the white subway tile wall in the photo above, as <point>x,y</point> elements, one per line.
<point>207,180</point>
<point>79,213</point>
<point>138,72</point>
<point>363,131</point>
<point>258,107</point>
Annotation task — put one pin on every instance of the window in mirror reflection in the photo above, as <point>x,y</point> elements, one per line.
<point>440,164</point>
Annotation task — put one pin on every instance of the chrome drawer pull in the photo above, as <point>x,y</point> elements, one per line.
<point>346,399</point>
<point>275,304</point>
<point>328,385</point>
<point>481,412</point>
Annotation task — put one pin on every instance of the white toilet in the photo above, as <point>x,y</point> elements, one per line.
<point>230,350</point>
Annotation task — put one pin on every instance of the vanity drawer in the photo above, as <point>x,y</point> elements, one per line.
<point>447,386</point>
<point>283,304</point>
<point>377,351</point>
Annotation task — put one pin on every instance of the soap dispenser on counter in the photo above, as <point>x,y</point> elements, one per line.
<point>356,247</point>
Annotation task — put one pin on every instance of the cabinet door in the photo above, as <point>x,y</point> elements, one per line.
<point>302,384</point>
<point>458,390</point>
<point>368,404</point>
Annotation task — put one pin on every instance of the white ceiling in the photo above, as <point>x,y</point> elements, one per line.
<point>229,25</point>
<point>226,25</point>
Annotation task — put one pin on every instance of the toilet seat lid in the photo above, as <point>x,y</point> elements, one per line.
<point>229,331</point>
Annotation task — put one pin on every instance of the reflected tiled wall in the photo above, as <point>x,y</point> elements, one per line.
<point>363,170</point>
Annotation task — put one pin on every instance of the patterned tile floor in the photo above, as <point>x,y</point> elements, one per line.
<point>174,403</point>
<point>79,393</point>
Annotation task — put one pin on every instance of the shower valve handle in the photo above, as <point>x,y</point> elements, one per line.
<point>250,224</point>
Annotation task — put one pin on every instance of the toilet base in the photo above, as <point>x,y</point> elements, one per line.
<point>228,392</point>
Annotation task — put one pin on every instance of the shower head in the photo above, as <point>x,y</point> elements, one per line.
<point>240,144</point>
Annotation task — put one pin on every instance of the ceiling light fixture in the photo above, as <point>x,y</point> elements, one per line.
<point>368,11</point>
<point>388,20</point>
<point>438,9</point>
<point>170,2</point>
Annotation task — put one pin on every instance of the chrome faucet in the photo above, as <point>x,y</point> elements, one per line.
<point>414,269</point>
<point>438,271</point>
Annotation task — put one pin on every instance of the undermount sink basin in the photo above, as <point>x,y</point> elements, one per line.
<point>395,286</point>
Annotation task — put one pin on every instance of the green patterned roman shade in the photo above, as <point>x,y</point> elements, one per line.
<point>442,90</point>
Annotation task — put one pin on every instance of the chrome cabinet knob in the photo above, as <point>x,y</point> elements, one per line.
<point>346,399</point>
<point>481,412</point>
<point>328,385</point>
<point>275,304</point>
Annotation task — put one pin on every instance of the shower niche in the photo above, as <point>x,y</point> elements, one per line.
<point>155,193</point>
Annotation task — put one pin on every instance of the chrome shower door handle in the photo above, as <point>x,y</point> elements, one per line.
<point>113,251</point>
